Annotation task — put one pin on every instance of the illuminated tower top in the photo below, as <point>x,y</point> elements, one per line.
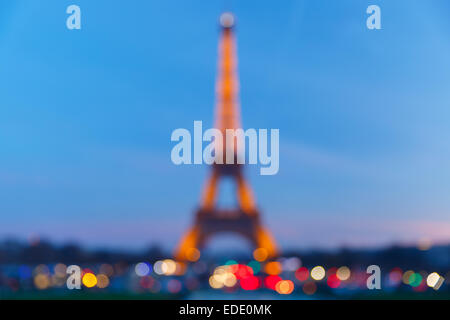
<point>227,83</point>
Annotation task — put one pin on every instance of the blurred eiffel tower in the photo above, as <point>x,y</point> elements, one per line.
<point>245,219</point>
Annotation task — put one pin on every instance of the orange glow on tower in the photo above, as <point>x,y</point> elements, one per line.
<point>209,220</point>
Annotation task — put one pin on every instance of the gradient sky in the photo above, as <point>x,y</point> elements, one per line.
<point>86,118</point>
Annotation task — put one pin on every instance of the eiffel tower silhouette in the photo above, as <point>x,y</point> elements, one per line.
<point>245,219</point>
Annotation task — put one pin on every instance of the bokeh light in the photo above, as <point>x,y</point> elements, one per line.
<point>25,272</point>
<point>406,276</point>
<point>41,269</point>
<point>284,287</point>
<point>260,254</point>
<point>41,281</point>
<point>255,265</point>
<point>230,280</point>
<point>106,269</point>
<point>318,273</point>
<point>343,273</point>
<point>243,271</point>
<point>60,270</point>
<point>415,279</point>
<point>395,276</point>
<point>159,267</point>
<point>302,274</point>
<point>214,283</point>
<point>333,281</point>
<point>170,267</point>
<point>142,269</point>
<point>174,286</point>
<point>193,254</point>
<point>433,279</point>
<point>273,268</point>
<point>250,283</point>
<point>102,281</point>
<point>146,282</point>
<point>271,281</point>
<point>309,288</point>
<point>291,264</point>
<point>89,280</point>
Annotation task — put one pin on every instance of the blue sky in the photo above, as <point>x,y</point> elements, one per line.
<point>86,118</point>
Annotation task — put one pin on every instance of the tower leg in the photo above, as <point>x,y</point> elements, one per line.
<point>209,195</point>
<point>265,240</point>
<point>245,196</point>
<point>188,245</point>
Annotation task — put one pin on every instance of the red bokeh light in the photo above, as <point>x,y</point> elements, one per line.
<point>302,274</point>
<point>86,270</point>
<point>333,281</point>
<point>243,271</point>
<point>146,282</point>
<point>331,271</point>
<point>271,281</point>
<point>250,283</point>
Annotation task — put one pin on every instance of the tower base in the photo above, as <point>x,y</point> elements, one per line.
<point>210,223</point>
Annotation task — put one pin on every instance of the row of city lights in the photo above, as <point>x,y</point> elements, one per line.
<point>44,279</point>
<point>227,276</point>
<point>230,275</point>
